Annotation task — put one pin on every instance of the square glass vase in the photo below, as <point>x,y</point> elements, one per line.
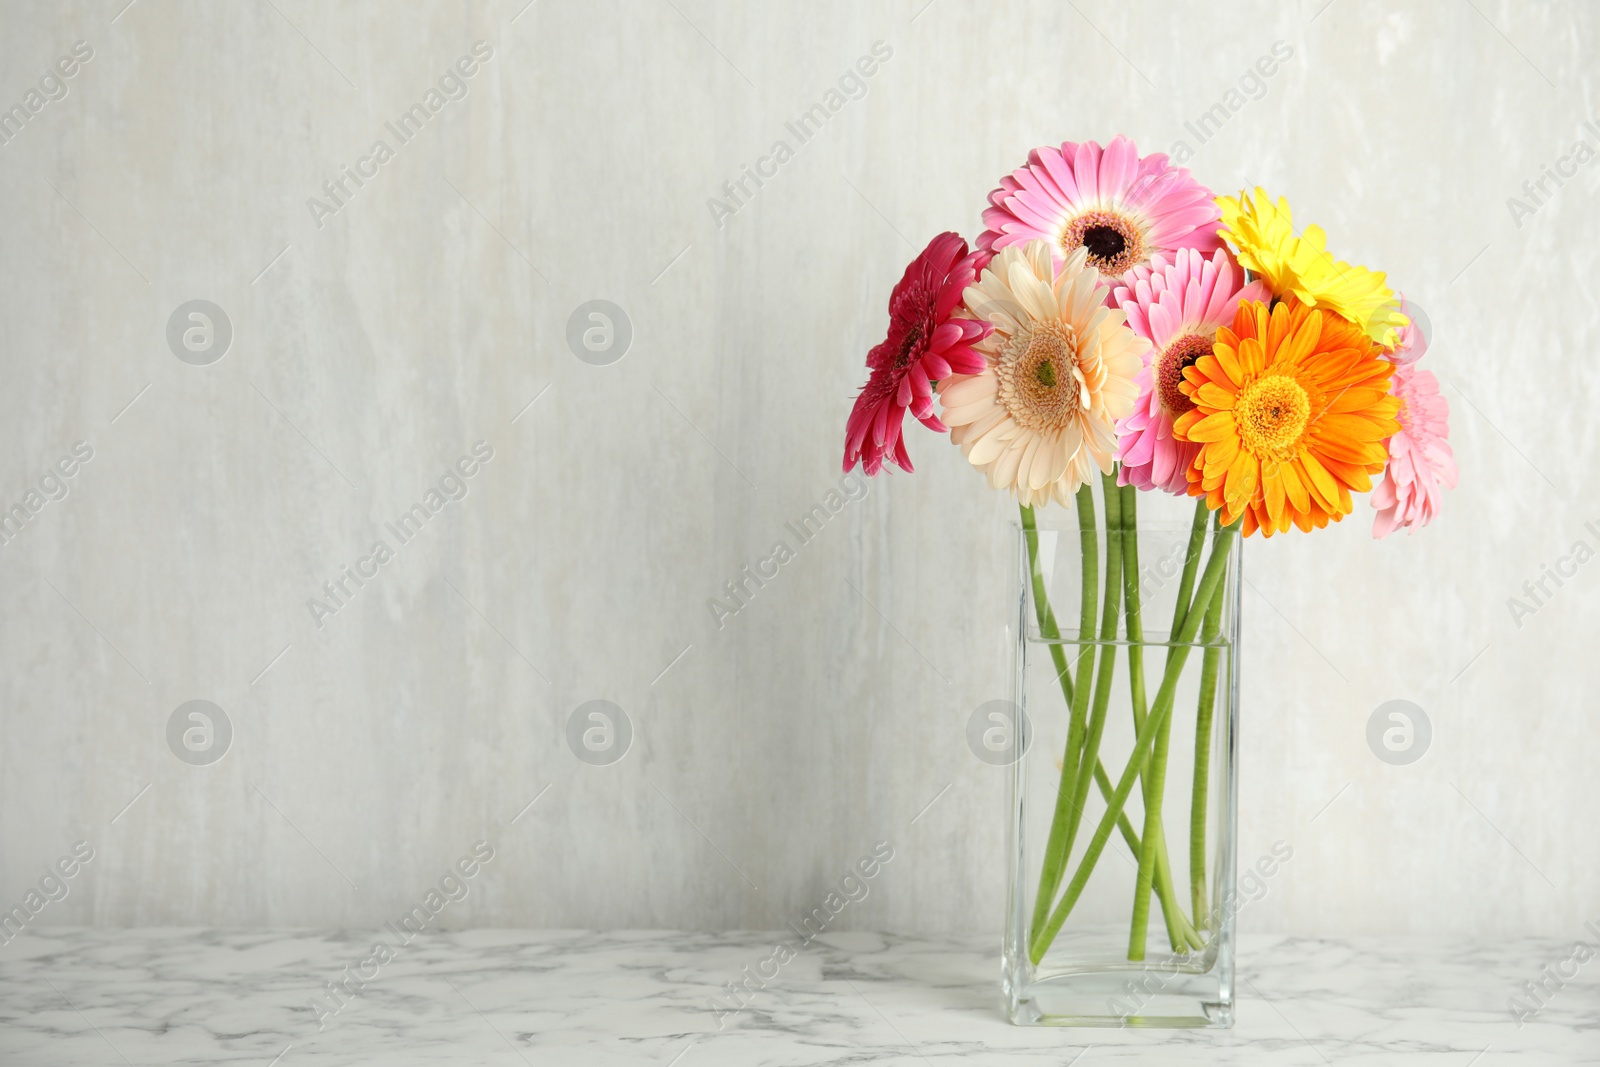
<point>1121,891</point>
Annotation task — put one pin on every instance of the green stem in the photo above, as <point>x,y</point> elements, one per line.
<point>1191,563</point>
<point>1179,930</point>
<point>1155,778</point>
<point>1152,791</point>
<point>1211,661</point>
<point>1131,595</point>
<point>1089,756</point>
<point>1089,571</point>
<point>1172,912</point>
<point>1055,855</point>
<point>1050,631</point>
<point>1108,656</point>
<point>1041,604</point>
<point>1215,568</point>
<point>1103,780</point>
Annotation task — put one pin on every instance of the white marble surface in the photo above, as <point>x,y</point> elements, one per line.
<point>178,997</point>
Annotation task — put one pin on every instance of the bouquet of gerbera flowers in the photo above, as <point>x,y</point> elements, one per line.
<point>1118,323</point>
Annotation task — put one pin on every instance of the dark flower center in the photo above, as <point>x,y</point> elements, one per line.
<point>908,344</point>
<point>1179,356</point>
<point>1114,242</point>
<point>1103,242</point>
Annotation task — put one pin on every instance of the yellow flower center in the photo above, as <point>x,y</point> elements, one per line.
<point>1402,393</point>
<point>1113,241</point>
<point>1272,413</point>
<point>1180,354</point>
<point>1037,384</point>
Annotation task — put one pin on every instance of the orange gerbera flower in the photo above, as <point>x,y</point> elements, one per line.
<point>1291,411</point>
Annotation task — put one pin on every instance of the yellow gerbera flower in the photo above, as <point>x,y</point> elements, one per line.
<point>1302,267</point>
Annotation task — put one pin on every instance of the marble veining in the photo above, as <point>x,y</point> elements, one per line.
<point>180,997</point>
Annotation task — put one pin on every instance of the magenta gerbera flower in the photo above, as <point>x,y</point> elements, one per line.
<point>1120,207</point>
<point>930,338</point>
<point>1177,306</point>
<point>1421,465</point>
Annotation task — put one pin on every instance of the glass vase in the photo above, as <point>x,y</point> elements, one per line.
<point>1122,826</point>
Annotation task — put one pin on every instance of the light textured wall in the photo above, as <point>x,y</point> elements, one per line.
<point>371,351</point>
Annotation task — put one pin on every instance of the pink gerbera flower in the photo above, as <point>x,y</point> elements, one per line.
<point>930,338</point>
<point>1421,465</point>
<point>1177,306</point>
<point>1120,207</point>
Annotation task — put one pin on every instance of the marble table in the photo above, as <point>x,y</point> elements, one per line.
<point>504,997</point>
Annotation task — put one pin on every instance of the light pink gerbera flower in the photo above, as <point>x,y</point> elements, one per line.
<point>1421,465</point>
<point>1122,208</point>
<point>1177,306</point>
<point>930,338</point>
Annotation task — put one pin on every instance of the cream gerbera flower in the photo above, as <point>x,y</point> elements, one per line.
<point>1040,419</point>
